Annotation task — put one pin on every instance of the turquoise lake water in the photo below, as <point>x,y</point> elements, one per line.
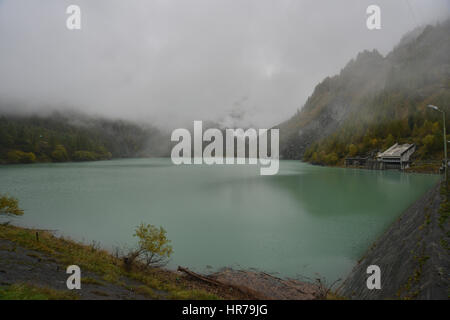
<point>303,222</point>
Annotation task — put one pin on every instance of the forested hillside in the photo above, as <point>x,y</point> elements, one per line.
<point>72,137</point>
<point>376,101</point>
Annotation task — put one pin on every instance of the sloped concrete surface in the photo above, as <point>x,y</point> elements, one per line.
<point>413,260</point>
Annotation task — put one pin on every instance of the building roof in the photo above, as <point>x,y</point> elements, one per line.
<point>395,151</point>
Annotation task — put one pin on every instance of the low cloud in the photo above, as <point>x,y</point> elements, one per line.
<point>246,62</point>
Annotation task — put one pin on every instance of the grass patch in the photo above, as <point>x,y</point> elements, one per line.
<point>101,262</point>
<point>34,255</point>
<point>89,280</point>
<point>146,291</point>
<point>100,293</point>
<point>23,291</point>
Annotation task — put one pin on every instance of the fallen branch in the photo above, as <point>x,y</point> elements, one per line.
<point>200,277</point>
<point>46,230</point>
<point>243,289</point>
<point>288,282</point>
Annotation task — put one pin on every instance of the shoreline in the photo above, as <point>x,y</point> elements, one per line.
<point>237,273</point>
<point>104,276</point>
<point>417,170</point>
<point>40,260</point>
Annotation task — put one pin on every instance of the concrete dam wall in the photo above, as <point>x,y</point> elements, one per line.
<point>412,255</point>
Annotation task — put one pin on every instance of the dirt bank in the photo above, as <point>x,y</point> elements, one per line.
<point>20,265</point>
<point>26,261</point>
<point>271,287</point>
<point>38,264</point>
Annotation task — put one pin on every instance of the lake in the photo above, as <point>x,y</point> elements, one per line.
<point>303,222</point>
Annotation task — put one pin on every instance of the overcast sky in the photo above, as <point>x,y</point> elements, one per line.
<point>240,62</point>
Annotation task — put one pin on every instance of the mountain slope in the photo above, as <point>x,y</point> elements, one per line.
<point>75,137</point>
<point>375,101</point>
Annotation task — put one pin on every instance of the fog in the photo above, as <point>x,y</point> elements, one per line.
<point>236,62</point>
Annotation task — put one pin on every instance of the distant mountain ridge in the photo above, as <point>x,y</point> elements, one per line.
<point>72,136</point>
<point>375,101</point>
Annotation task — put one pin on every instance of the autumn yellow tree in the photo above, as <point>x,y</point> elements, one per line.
<point>9,206</point>
<point>153,247</point>
<point>352,150</point>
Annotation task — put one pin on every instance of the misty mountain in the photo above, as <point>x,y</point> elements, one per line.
<point>374,101</point>
<point>71,136</point>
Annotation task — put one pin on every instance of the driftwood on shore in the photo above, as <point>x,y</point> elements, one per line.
<point>258,285</point>
<point>200,277</point>
<point>252,294</point>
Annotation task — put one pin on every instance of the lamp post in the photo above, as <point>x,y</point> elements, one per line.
<point>445,138</point>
